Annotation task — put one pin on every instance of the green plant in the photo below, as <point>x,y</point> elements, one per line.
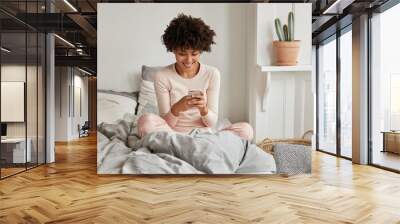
<point>291,26</point>
<point>278,29</point>
<point>287,32</point>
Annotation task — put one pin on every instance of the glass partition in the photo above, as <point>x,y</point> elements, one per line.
<point>327,97</point>
<point>14,154</point>
<point>32,95</point>
<point>41,107</point>
<point>23,89</point>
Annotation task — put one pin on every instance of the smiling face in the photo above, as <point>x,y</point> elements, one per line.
<point>187,61</point>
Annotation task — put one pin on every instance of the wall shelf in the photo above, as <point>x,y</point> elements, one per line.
<point>268,70</point>
<point>297,68</point>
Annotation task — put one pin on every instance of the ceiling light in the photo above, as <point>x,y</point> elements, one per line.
<point>338,6</point>
<point>70,5</point>
<point>329,9</point>
<point>5,50</point>
<point>79,51</point>
<point>65,41</point>
<point>84,71</point>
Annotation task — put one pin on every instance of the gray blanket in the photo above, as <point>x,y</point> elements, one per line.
<point>121,151</point>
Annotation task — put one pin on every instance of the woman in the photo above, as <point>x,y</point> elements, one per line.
<point>188,91</point>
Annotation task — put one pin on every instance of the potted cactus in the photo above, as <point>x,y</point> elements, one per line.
<point>286,49</point>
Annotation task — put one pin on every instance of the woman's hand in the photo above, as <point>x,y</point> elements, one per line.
<point>187,102</point>
<point>200,103</point>
<point>182,105</point>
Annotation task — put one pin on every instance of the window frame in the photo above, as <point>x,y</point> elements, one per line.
<point>334,37</point>
<point>381,9</point>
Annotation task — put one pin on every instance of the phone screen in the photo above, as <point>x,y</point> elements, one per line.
<point>195,93</point>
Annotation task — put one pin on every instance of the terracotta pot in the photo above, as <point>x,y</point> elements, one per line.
<point>286,52</point>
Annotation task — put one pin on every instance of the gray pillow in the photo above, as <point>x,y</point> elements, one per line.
<point>292,159</point>
<point>149,72</point>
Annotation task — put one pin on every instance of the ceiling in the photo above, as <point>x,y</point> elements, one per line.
<point>76,21</point>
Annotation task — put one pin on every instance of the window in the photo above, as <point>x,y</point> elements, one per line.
<point>385,89</point>
<point>394,101</point>
<point>327,97</point>
<point>346,75</point>
<point>334,106</point>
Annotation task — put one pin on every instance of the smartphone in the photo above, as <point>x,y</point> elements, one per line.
<point>195,93</point>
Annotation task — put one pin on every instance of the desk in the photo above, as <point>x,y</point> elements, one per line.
<point>13,150</point>
<point>391,141</point>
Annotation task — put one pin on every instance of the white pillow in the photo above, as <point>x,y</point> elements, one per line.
<point>147,93</point>
<point>112,107</point>
<point>147,98</point>
<point>149,72</point>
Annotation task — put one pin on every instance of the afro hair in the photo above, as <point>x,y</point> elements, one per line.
<point>187,32</point>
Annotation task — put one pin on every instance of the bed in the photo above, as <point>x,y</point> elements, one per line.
<point>122,151</point>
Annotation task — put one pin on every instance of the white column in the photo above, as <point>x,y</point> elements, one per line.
<point>50,99</point>
<point>360,90</point>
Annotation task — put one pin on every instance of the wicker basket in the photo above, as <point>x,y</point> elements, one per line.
<point>268,144</point>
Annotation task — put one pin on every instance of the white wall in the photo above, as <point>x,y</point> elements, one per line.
<point>129,35</point>
<point>290,101</point>
<point>12,100</point>
<point>66,119</point>
<point>61,103</point>
<point>79,117</point>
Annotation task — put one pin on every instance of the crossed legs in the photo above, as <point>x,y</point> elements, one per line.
<point>148,123</point>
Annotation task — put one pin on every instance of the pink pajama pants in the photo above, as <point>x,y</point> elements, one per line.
<point>148,123</point>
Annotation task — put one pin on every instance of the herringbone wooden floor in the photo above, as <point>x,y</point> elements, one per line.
<point>70,191</point>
